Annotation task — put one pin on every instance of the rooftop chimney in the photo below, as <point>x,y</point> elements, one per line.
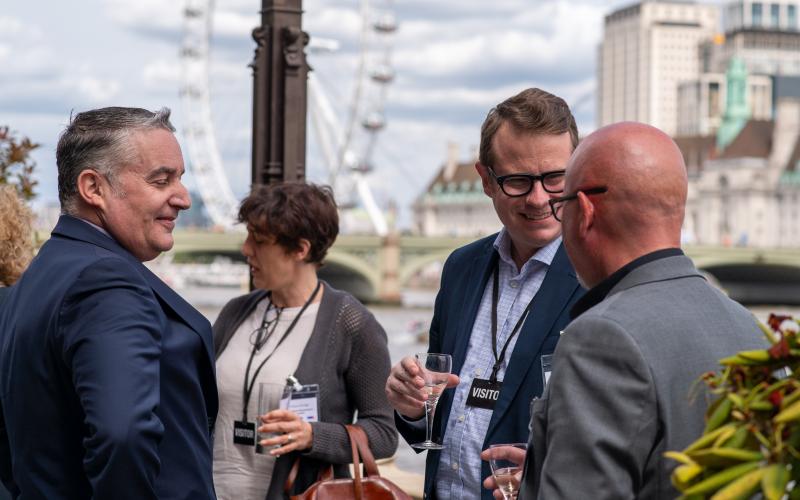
<point>451,164</point>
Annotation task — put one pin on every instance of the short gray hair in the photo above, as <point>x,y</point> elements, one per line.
<point>99,140</point>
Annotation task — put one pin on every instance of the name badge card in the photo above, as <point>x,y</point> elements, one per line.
<point>484,393</point>
<point>305,402</point>
<point>244,433</point>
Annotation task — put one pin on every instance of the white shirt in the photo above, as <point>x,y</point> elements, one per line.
<point>239,472</point>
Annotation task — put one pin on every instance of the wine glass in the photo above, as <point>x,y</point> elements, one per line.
<point>434,370</point>
<point>506,461</point>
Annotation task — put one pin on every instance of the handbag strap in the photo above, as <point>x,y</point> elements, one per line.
<point>359,446</point>
<point>358,435</point>
<point>356,462</point>
<point>324,475</point>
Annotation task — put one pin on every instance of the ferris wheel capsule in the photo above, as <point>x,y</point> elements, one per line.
<point>386,23</point>
<point>374,122</point>
<point>382,74</point>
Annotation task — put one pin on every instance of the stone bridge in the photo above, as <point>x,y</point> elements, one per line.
<point>376,269</point>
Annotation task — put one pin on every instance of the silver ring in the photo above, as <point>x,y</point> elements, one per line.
<point>289,438</point>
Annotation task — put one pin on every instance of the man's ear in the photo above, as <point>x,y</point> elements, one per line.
<point>586,216</point>
<point>93,188</point>
<point>486,178</point>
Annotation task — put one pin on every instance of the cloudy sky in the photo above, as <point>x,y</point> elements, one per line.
<point>454,59</point>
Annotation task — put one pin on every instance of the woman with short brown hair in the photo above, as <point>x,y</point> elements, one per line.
<point>295,324</point>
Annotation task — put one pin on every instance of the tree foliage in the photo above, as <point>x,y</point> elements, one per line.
<point>16,163</point>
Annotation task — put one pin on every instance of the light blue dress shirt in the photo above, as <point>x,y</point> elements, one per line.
<point>459,474</point>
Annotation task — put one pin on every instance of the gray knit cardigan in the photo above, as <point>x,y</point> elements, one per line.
<point>347,356</point>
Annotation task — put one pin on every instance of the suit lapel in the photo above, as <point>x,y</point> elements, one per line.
<point>480,272</point>
<point>558,286</point>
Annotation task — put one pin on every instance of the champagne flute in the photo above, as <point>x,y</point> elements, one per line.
<point>506,463</point>
<point>434,370</point>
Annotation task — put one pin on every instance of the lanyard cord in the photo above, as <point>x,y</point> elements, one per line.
<point>248,383</point>
<point>498,360</point>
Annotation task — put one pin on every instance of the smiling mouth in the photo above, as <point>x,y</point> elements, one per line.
<point>536,217</point>
<point>168,222</point>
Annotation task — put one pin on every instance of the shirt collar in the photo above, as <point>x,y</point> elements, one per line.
<point>544,255</point>
<point>94,226</point>
<point>601,290</point>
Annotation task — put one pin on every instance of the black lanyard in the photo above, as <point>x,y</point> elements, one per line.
<point>498,360</point>
<point>248,383</point>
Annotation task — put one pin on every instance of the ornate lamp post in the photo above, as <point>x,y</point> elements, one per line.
<point>280,74</point>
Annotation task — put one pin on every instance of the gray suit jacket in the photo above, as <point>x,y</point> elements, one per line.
<point>624,387</point>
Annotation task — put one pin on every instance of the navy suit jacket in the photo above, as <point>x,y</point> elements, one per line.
<point>464,279</point>
<point>107,384</point>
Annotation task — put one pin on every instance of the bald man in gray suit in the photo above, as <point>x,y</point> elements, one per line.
<point>650,325</point>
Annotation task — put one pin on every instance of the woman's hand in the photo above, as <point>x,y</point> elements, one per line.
<point>293,433</point>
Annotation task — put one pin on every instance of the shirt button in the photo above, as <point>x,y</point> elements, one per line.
<point>477,373</point>
<point>454,465</point>
<point>461,418</point>
<point>513,284</point>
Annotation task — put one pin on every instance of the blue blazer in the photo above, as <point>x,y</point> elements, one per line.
<point>107,384</point>
<point>464,279</point>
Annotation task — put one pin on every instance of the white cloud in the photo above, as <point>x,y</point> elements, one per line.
<point>162,73</point>
<point>147,14</point>
<point>230,23</point>
<point>94,89</point>
<point>16,29</point>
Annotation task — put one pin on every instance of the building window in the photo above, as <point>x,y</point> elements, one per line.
<point>791,14</point>
<point>755,18</point>
<point>775,15</point>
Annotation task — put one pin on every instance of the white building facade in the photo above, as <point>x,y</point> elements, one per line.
<point>454,205</point>
<point>751,199</point>
<point>648,49</point>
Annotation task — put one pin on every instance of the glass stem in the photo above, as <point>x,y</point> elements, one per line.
<point>430,410</point>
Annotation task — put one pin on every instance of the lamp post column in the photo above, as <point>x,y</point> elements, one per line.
<point>280,74</point>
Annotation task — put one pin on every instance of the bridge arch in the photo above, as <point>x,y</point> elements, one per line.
<point>349,272</point>
<point>757,282</point>
<point>416,264</point>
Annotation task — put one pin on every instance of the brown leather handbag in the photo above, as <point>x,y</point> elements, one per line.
<point>369,487</point>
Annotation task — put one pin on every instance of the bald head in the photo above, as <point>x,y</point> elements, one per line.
<point>643,209</point>
<point>644,171</point>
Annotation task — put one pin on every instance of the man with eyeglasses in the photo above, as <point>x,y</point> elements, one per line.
<point>502,303</point>
<point>650,325</point>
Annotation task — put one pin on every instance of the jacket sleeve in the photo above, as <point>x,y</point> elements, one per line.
<point>365,377</point>
<point>5,459</point>
<point>601,413</point>
<point>413,431</point>
<point>110,327</point>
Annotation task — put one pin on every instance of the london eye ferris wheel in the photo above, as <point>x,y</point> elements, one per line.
<point>345,125</point>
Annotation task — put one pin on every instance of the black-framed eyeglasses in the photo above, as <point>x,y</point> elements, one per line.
<point>557,204</point>
<point>514,185</point>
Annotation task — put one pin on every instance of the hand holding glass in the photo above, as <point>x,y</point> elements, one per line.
<point>506,463</point>
<point>271,396</point>
<point>434,370</point>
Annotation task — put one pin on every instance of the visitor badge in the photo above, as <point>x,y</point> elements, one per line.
<point>244,433</point>
<point>484,393</point>
<point>547,367</point>
<point>305,402</point>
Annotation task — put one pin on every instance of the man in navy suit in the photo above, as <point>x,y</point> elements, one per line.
<point>502,303</point>
<point>106,375</point>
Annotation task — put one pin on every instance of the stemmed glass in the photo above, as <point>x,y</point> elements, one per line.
<point>434,370</point>
<point>506,463</point>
